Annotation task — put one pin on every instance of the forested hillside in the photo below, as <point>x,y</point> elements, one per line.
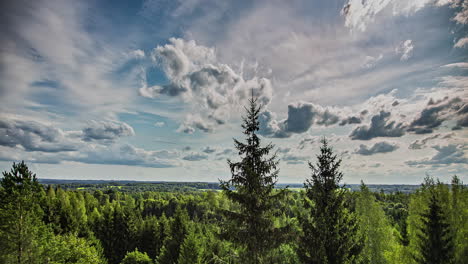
<point>249,221</point>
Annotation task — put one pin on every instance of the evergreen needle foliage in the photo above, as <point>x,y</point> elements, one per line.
<point>19,215</point>
<point>251,188</point>
<point>436,241</point>
<point>330,231</point>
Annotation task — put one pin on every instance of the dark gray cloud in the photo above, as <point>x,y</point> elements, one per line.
<point>380,147</point>
<point>327,118</point>
<point>435,114</point>
<point>269,126</point>
<point>301,116</point>
<point>294,159</point>
<point>33,136</point>
<point>225,152</point>
<point>106,131</point>
<point>209,150</point>
<point>195,157</point>
<point>461,122</point>
<point>284,150</point>
<point>446,155</point>
<point>305,142</point>
<point>351,120</point>
<point>380,127</point>
<point>421,143</point>
<point>168,89</point>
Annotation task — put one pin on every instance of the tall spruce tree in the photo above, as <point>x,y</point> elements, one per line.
<point>330,232</point>
<point>436,241</point>
<point>173,243</point>
<point>20,215</point>
<point>251,188</point>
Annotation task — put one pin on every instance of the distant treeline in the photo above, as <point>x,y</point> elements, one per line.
<point>162,186</point>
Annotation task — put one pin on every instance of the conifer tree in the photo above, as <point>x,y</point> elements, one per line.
<point>436,241</point>
<point>330,231</point>
<point>459,219</point>
<point>178,231</point>
<point>190,251</point>
<point>20,215</point>
<point>251,188</point>
<point>149,240</point>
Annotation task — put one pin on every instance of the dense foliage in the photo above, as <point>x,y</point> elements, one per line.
<point>69,226</point>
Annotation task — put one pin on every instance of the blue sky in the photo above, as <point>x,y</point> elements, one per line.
<point>155,89</point>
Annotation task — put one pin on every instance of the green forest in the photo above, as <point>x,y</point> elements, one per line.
<point>247,221</point>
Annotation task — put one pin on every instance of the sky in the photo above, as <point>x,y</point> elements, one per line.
<point>155,89</point>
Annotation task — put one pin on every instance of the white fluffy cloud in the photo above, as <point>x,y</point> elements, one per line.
<point>405,49</point>
<point>210,88</point>
<point>462,16</point>
<point>359,14</point>
<point>461,43</point>
<point>370,62</point>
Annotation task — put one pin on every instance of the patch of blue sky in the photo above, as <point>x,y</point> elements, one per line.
<point>49,95</point>
<point>151,136</point>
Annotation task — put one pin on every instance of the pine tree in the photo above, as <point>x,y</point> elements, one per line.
<point>459,219</point>
<point>178,231</point>
<point>190,251</point>
<point>436,242</point>
<point>252,226</point>
<point>20,215</point>
<point>149,240</point>
<point>330,231</point>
